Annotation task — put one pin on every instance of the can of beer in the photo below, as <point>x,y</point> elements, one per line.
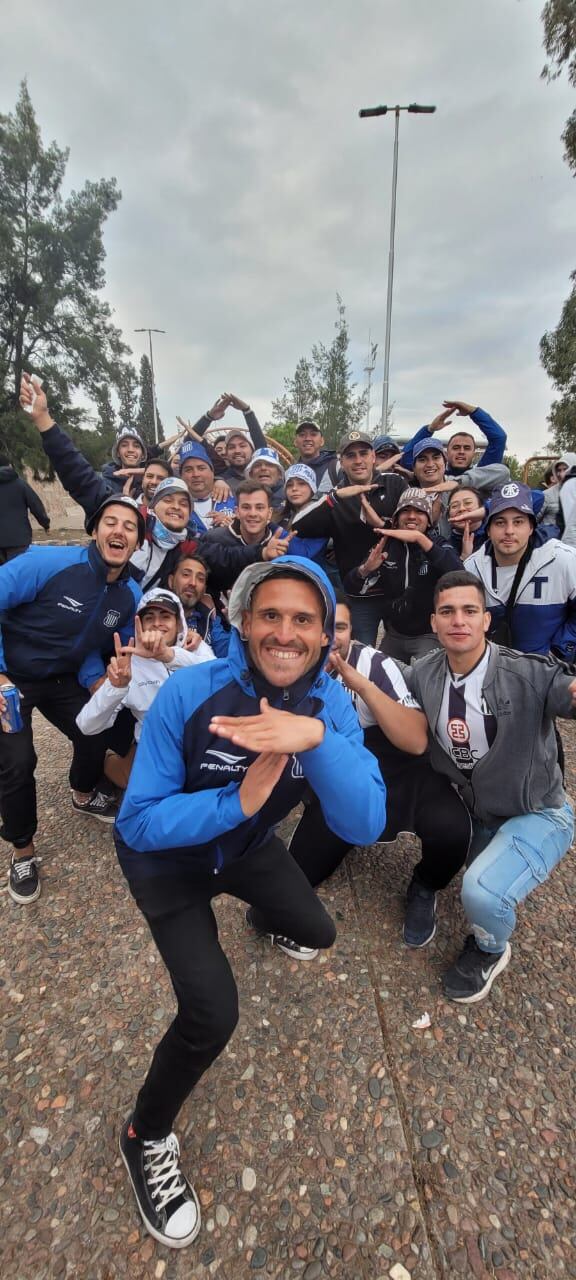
<point>11,719</point>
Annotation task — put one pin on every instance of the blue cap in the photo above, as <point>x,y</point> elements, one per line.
<point>428,443</point>
<point>386,442</point>
<point>512,495</point>
<point>191,449</point>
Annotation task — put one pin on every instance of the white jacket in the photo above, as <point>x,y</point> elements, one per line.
<point>148,674</point>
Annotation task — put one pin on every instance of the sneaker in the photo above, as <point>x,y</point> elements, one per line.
<point>98,806</point>
<point>288,945</point>
<point>420,918</point>
<point>469,979</point>
<point>167,1202</point>
<point>23,882</point>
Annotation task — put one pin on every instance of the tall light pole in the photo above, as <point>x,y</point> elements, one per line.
<point>150,332</point>
<point>414,108</point>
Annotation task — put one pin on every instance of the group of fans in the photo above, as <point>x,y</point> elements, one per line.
<point>275,585</point>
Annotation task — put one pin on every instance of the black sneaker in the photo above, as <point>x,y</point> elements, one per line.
<point>470,977</point>
<point>167,1202</point>
<point>420,918</point>
<point>98,806</point>
<point>288,945</point>
<point>23,882</point>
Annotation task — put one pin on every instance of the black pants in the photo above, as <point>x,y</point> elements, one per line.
<point>418,800</point>
<point>59,699</point>
<point>179,913</point>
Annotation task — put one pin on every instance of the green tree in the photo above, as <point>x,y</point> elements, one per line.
<point>558,347</point>
<point>145,419</point>
<point>322,387</point>
<point>52,320</point>
<point>128,395</point>
<point>300,397</point>
<point>284,433</point>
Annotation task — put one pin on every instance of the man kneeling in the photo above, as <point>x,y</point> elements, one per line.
<point>211,780</point>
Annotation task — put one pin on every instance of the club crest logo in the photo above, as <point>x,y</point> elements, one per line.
<point>510,491</point>
<point>111,618</point>
<point>458,731</point>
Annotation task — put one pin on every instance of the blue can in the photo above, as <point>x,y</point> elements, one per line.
<point>11,719</point>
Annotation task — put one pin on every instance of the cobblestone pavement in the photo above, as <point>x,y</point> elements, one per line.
<point>332,1139</point>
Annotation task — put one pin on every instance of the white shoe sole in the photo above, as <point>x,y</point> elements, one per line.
<point>100,817</point>
<point>308,954</point>
<point>481,995</point>
<point>417,946</point>
<point>167,1240</point>
<point>20,898</point>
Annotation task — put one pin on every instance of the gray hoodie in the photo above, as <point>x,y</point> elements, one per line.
<point>520,773</point>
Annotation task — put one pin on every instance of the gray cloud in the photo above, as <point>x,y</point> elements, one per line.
<point>252,192</point>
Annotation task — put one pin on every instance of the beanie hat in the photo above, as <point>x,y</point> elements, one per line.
<point>299,471</point>
<point>416,498</point>
<point>170,485</point>
<point>191,449</point>
<point>117,500</point>
<point>511,496</point>
<point>264,455</point>
<point>127,433</point>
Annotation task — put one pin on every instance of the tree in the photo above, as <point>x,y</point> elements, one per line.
<point>145,419</point>
<point>558,347</point>
<point>128,394</point>
<point>322,387</point>
<point>52,320</point>
<point>284,433</point>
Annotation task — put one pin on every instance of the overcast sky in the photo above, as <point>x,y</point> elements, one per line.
<point>252,192</point>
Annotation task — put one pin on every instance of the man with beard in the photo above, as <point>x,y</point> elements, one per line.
<point>461,447</point>
<point>218,766</point>
<point>189,581</point>
<point>60,607</point>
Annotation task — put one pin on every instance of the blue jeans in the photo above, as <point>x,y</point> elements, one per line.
<point>505,864</point>
<point>366,612</point>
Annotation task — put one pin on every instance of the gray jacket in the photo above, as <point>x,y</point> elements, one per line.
<point>520,773</point>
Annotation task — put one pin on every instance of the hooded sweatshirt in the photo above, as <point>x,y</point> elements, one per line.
<point>148,676</point>
<point>182,807</point>
<point>17,498</point>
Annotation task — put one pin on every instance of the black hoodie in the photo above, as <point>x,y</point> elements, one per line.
<point>17,498</point>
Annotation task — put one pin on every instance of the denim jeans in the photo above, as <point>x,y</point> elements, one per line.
<point>506,863</point>
<point>366,612</point>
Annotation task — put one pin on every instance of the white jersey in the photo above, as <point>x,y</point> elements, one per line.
<point>381,672</point>
<point>466,727</point>
<point>148,676</point>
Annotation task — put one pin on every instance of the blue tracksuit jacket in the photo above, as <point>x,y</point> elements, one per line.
<point>494,452</point>
<point>58,613</point>
<point>182,802</point>
<point>544,615</point>
<point>209,625</point>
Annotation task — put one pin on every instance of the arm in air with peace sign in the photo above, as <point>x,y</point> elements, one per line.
<point>102,708</point>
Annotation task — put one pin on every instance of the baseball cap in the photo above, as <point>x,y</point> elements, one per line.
<point>193,450</point>
<point>237,432</point>
<point>299,471</point>
<point>117,500</point>
<point>428,443</point>
<point>170,485</point>
<point>308,424</point>
<point>264,455</point>
<point>355,437</point>
<point>383,444</point>
<point>513,495</point>
<point>416,498</point>
<point>160,600</point>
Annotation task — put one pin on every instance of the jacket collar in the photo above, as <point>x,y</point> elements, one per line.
<point>101,569</point>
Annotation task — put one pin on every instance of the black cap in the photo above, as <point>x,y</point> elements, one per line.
<point>308,424</point>
<point>117,500</point>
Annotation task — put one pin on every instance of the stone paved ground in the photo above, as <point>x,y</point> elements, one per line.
<point>332,1139</point>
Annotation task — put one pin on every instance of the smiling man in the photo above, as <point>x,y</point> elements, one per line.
<point>223,758</point>
<point>60,607</point>
<point>491,717</point>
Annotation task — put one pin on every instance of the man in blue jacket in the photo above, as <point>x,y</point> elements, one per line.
<point>59,609</point>
<point>461,446</point>
<point>224,756</point>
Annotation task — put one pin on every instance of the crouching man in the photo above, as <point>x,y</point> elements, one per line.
<point>225,754</point>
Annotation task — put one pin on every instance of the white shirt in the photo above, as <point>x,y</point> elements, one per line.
<point>148,675</point>
<point>466,727</point>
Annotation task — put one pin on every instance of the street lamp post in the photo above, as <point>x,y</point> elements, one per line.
<point>150,332</point>
<point>414,108</point>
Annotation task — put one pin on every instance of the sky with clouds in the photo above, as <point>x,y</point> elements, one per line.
<point>253,193</point>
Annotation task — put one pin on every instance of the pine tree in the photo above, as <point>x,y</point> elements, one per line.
<point>321,387</point>
<point>128,395</point>
<point>300,398</point>
<point>145,419</point>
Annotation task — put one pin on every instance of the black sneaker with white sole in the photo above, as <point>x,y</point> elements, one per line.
<point>288,945</point>
<point>167,1202</point>
<point>23,880</point>
<point>99,806</point>
<point>471,976</point>
<point>420,918</point>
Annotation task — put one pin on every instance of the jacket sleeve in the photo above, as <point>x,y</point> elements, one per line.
<point>558,697</point>
<point>157,813</point>
<point>190,657</point>
<point>256,433</point>
<point>101,711</point>
<point>495,435</point>
<point>341,755</point>
<point>225,562</point>
<point>80,480</point>
<point>407,460</point>
<point>315,521</point>
<point>484,478</point>
<point>36,506</point>
<point>220,637</point>
<point>310,548</point>
<point>22,579</point>
<point>443,557</point>
<point>93,667</point>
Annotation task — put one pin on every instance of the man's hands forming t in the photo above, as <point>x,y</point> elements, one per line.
<point>272,731</point>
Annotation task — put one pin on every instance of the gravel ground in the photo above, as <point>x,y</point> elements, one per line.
<point>331,1139</point>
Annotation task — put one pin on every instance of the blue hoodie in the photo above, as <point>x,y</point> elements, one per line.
<point>182,804</point>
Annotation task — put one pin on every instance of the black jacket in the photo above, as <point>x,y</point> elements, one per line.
<point>342,520</point>
<point>407,580</point>
<point>17,498</point>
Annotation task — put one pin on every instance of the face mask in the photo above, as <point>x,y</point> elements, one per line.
<point>166,538</point>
